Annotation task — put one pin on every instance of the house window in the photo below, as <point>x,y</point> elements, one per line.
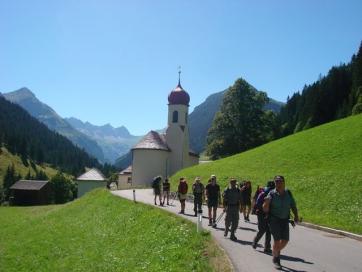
<point>175,117</point>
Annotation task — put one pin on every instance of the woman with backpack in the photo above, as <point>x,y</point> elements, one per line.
<point>182,193</point>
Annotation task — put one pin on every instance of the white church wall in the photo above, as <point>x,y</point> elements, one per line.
<point>148,163</point>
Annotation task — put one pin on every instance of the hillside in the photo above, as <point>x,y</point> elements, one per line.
<point>7,159</point>
<point>102,232</point>
<point>45,114</point>
<point>200,120</point>
<point>114,142</point>
<point>322,166</point>
<point>25,136</point>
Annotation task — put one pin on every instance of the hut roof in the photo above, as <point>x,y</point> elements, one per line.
<point>92,174</point>
<point>30,185</point>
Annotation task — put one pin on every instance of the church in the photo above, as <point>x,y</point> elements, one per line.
<point>165,154</point>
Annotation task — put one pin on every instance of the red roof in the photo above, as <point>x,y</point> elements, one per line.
<point>178,96</point>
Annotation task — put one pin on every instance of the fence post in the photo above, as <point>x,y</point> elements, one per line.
<point>134,195</point>
<point>199,221</point>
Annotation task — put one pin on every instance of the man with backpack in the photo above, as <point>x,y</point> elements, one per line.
<point>232,201</point>
<point>263,225</point>
<point>156,185</point>
<point>213,199</point>
<point>182,193</point>
<point>277,205</point>
<point>198,192</point>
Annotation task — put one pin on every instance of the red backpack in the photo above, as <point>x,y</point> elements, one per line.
<point>182,187</point>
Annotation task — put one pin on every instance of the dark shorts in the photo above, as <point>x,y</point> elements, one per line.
<point>246,202</point>
<point>212,203</point>
<point>156,191</point>
<point>279,228</point>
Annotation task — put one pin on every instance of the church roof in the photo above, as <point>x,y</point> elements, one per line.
<point>126,171</point>
<point>193,153</point>
<point>92,174</point>
<point>152,140</point>
<point>178,96</point>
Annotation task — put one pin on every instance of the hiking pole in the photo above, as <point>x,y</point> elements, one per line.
<point>218,219</point>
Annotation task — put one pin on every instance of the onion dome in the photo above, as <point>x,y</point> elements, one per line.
<point>178,96</point>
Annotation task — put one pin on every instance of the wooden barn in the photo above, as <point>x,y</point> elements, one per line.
<point>31,192</point>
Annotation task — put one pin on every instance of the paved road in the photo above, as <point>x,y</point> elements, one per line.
<point>308,250</point>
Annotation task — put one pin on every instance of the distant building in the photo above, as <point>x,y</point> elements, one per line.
<point>90,180</point>
<point>165,154</point>
<point>31,192</point>
<point>125,178</point>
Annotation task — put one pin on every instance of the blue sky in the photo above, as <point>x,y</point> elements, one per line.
<point>116,61</point>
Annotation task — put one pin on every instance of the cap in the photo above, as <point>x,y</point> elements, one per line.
<point>213,176</point>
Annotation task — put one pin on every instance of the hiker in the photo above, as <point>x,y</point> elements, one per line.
<point>258,190</point>
<point>182,193</point>
<point>263,225</point>
<point>232,199</point>
<point>213,199</point>
<point>246,199</point>
<point>198,192</point>
<point>278,204</point>
<point>166,191</point>
<point>156,185</point>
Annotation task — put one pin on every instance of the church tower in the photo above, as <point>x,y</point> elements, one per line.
<point>177,133</point>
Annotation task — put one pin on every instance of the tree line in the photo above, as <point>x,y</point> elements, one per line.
<point>242,124</point>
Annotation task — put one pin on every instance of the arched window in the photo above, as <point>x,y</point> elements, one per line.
<point>186,118</point>
<point>175,117</point>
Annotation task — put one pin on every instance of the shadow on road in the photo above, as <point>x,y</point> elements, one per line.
<point>288,269</point>
<point>248,229</point>
<point>294,259</point>
<point>244,243</point>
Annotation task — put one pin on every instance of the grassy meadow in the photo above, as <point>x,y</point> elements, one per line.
<point>6,159</point>
<point>102,232</point>
<point>322,167</point>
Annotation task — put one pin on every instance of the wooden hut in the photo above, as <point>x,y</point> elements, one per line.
<point>31,192</point>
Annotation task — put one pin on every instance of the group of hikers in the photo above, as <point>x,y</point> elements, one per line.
<point>271,204</point>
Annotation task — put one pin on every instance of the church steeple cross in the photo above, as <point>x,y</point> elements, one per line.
<point>179,76</point>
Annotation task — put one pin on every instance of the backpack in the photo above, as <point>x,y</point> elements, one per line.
<point>155,183</point>
<point>182,188</point>
<point>258,206</point>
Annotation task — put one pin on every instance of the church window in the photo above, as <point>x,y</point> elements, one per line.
<point>175,117</point>
<point>186,118</point>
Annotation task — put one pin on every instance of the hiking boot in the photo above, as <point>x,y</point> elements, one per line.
<point>168,204</point>
<point>267,250</point>
<point>276,262</point>
<point>233,237</point>
<point>247,219</point>
<point>226,232</point>
<point>155,203</point>
<point>254,245</point>
<point>210,223</point>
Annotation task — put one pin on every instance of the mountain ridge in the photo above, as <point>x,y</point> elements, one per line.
<point>48,116</point>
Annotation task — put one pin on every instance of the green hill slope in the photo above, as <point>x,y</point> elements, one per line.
<point>101,232</point>
<point>7,159</point>
<point>322,166</point>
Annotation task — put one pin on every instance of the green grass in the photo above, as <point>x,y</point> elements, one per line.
<point>100,232</point>
<point>6,159</point>
<point>322,166</point>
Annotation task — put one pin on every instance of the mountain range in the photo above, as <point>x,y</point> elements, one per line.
<point>103,142</point>
<point>114,142</point>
